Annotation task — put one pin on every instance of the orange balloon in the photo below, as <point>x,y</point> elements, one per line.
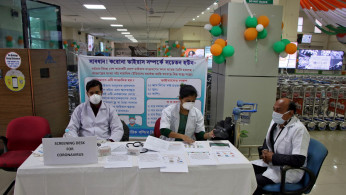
<point>264,20</point>
<point>183,47</point>
<point>215,19</point>
<point>250,34</point>
<point>164,46</point>
<point>182,54</point>
<point>178,46</point>
<point>166,50</point>
<point>291,48</point>
<point>220,42</point>
<point>76,49</point>
<point>65,42</point>
<point>216,49</point>
<point>282,25</point>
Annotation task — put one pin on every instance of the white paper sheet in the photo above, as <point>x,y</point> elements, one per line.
<point>156,144</point>
<point>196,147</point>
<point>118,161</point>
<point>150,160</point>
<point>225,157</point>
<point>38,152</point>
<point>174,162</point>
<point>176,147</point>
<point>201,158</point>
<point>120,149</point>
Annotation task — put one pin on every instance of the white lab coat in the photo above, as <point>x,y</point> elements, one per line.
<point>170,119</point>
<point>294,139</point>
<point>106,124</point>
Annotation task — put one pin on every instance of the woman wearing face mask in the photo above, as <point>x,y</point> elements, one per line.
<point>95,117</point>
<point>182,121</point>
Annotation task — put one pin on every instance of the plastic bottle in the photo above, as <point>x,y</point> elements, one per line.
<point>67,134</point>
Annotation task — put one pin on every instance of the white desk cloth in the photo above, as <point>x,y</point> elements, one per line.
<point>34,178</point>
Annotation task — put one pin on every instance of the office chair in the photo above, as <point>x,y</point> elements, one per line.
<point>126,132</point>
<point>157,132</point>
<point>317,152</point>
<point>23,135</point>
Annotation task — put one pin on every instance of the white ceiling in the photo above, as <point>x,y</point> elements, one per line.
<point>141,24</point>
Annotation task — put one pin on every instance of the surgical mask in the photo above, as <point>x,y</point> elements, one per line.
<point>277,118</point>
<point>188,105</point>
<point>95,99</point>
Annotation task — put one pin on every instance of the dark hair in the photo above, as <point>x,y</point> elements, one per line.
<point>93,83</point>
<point>292,106</point>
<point>186,91</point>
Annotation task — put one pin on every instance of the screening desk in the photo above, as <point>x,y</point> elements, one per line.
<point>33,177</point>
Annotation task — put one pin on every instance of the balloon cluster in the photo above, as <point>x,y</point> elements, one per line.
<point>256,28</point>
<point>214,26</point>
<point>108,48</point>
<point>9,42</point>
<point>166,49</point>
<point>20,40</point>
<point>221,50</point>
<point>75,46</point>
<point>65,44</point>
<point>341,37</point>
<point>284,47</point>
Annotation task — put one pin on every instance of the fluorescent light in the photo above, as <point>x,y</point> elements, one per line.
<point>193,19</point>
<point>202,12</point>
<point>88,6</point>
<point>121,29</point>
<point>197,16</point>
<point>128,35</point>
<point>208,8</point>
<point>125,33</point>
<point>135,41</point>
<point>215,3</point>
<point>117,25</point>
<point>108,18</point>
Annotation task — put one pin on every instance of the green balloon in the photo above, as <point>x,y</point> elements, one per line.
<point>286,41</point>
<point>78,46</point>
<point>228,51</point>
<point>263,34</point>
<point>219,59</point>
<point>279,46</point>
<point>251,22</point>
<point>169,48</point>
<point>168,53</point>
<point>74,43</point>
<point>216,31</point>
<point>174,45</point>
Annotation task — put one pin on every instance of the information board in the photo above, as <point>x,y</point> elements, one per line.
<point>140,88</point>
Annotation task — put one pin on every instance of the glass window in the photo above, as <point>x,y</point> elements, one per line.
<point>44,26</point>
<point>11,29</point>
<point>300,24</point>
<point>317,30</point>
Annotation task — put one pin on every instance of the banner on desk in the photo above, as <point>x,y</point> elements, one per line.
<point>140,88</point>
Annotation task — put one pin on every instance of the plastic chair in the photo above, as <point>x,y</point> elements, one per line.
<point>126,132</point>
<point>157,132</point>
<point>23,135</point>
<point>317,152</point>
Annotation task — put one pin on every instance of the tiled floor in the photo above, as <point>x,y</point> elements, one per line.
<point>332,177</point>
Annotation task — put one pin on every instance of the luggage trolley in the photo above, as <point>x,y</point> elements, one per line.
<point>319,106</point>
<point>332,125</point>
<point>341,108</point>
<point>309,99</point>
<point>298,99</point>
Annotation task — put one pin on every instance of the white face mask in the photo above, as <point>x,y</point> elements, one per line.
<point>188,105</point>
<point>95,99</point>
<point>277,117</point>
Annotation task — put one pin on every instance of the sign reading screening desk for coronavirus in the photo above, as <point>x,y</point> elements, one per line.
<point>140,88</point>
<point>64,151</point>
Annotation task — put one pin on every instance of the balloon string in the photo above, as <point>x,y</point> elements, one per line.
<point>248,9</point>
<point>256,54</point>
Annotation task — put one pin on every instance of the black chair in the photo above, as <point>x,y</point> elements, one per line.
<point>126,135</point>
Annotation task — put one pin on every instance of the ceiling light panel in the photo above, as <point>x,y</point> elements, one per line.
<point>121,29</point>
<point>89,6</point>
<point>117,25</point>
<point>108,18</point>
<point>125,33</point>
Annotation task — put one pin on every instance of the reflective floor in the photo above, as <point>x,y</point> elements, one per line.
<point>332,177</point>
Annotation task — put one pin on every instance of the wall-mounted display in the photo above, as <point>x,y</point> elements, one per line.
<point>320,59</point>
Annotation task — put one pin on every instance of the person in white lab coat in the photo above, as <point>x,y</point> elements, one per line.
<point>286,143</point>
<point>95,117</point>
<point>182,121</point>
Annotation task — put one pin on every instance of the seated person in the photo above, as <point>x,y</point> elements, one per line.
<point>182,121</point>
<point>286,143</point>
<point>94,117</point>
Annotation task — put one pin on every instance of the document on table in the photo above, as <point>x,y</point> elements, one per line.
<point>196,146</point>
<point>225,157</point>
<point>156,144</point>
<point>201,158</point>
<point>174,162</point>
<point>38,152</point>
<point>150,160</point>
<point>219,146</point>
<point>176,146</point>
<point>118,161</point>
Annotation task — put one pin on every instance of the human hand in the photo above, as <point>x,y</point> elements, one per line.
<point>211,134</point>
<point>187,139</point>
<point>267,156</point>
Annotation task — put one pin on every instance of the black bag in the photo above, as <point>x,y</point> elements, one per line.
<point>224,130</point>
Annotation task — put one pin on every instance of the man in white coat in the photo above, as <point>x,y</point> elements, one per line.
<point>95,117</point>
<point>286,143</point>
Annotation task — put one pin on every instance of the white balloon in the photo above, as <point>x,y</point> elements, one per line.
<point>176,42</point>
<point>283,54</point>
<point>169,56</point>
<point>208,27</point>
<point>183,50</point>
<point>259,28</point>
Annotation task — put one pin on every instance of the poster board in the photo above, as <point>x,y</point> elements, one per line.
<point>140,88</point>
